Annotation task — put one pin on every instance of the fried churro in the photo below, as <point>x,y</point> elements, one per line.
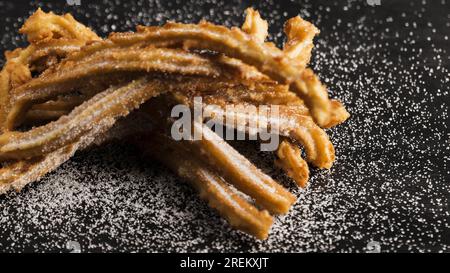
<point>188,164</point>
<point>74,89</point>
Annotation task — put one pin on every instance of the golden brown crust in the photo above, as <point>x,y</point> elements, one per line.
<point>232,42</point>
<point>76,69</point>
<point>18,174</point>
<point>291,122</point>
<point>43,27</point>
<point>255,26</point>
<point>300,34</point>
<point>211,187</point>
<point>291,161</point>
<point>243,174</point>
<point>216,92</point>
<point>110,104</point>
<point>50,36</point>
<point>68,76</point>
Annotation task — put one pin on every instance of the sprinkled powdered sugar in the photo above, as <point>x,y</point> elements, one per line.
<point>389,187</point>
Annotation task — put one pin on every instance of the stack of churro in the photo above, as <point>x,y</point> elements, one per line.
<point>70,89</point>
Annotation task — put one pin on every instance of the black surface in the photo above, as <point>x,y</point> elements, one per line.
<point>388,63</point>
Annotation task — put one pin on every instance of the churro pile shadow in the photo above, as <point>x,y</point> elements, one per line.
<point>389,189</point>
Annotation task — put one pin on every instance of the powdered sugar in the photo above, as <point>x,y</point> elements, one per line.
<point>390,183</point>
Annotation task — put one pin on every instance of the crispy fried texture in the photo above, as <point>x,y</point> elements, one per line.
<point>86,84</point>
<point>243,174</point>
<point>259,93</point>
<point>213,91</point>
<point>290,123</point>
<point>234,43</point>
<point>18,174</point>
<point>43,27</point>
<point>291,161</point>
<point>255,26</point>
<point>69,76</point>
<point>188,164</point>
<point>51,37</point>
<point>299,44</point>
<point>231,165</point>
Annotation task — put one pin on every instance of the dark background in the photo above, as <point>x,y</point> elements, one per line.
<point>388,190</point>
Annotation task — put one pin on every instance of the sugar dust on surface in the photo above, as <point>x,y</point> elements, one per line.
<point>390,184</point>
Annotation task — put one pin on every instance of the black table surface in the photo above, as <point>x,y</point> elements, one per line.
<point>387,60</point>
